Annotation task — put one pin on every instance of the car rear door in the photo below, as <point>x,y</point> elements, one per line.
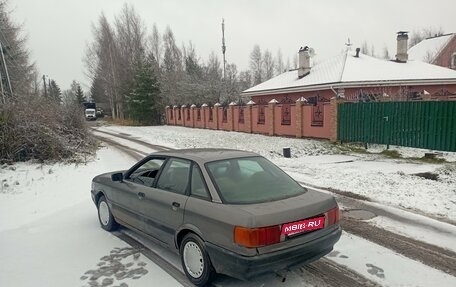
<point>163,206</point>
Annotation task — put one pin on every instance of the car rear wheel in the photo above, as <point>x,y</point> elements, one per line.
<point>105,216</point>
<point>195,260</point>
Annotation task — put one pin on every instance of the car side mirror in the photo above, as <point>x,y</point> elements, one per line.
<point>117,177</point>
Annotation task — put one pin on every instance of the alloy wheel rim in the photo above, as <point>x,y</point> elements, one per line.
<point>103,210</point>
<point>193,259</point>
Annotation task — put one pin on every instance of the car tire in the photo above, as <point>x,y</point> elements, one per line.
<point>105,217</point>
<point>195,260</point>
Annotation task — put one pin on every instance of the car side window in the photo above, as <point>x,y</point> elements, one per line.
<point>175,175</point>
<point>198,187</point>
<point>145,174</point>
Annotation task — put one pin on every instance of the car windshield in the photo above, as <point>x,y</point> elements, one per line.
<point>251,180</point>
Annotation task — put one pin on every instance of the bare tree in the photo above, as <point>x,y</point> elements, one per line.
<point>385,54</point>
<point>421,34</point>
<point>279,66</point>
<point>365,48</point>
<point>156,45</point>
<point>256,65</point>
<point>268,65</point>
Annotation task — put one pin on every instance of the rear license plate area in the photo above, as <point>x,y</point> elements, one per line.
<point>303,226</point>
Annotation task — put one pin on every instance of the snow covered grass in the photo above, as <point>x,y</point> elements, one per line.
<point>50,234</point>
<point>320,163</point>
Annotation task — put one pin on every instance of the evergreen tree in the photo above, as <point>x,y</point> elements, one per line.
<point>54,92</point>
<point>144,98</point>
<point>79,94</point>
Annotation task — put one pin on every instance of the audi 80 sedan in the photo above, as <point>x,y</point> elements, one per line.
<point>223,211</point>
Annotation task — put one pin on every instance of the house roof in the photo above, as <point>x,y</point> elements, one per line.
<point>428,49</point>
<point>345,70</point>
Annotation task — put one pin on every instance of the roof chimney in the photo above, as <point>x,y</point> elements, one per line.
<point>402,39</point>
<point>304,62</point>
<point>357,52</point>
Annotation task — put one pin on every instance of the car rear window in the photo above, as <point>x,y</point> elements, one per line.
<point>251,180</point>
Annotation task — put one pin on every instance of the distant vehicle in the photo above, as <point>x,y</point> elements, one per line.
<point>90,114</point>
<point>224,211</point>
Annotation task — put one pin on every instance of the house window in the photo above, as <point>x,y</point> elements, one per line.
<point>179,115</point>
<point>286,114</point>
<point>261,117</point>
<point>171,112</point>
<point>241,115</point>
<point>210,114</point>
<point>188,114</point>
<point>198,115</point>
<point>224,115</point>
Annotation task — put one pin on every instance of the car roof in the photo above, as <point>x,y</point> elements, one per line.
<point>203,155</point>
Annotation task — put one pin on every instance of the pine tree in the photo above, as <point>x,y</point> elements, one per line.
<point>144,98</point>
<point>79,95</point>
<point>54,92</point>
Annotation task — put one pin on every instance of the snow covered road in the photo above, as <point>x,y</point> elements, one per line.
<point>444,233</point>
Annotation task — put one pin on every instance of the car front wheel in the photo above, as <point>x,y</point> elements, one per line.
<point>195,260</point>
<point>105,216</point>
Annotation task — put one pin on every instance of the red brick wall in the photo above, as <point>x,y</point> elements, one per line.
<point>282,129</point>
<point>300,126</point>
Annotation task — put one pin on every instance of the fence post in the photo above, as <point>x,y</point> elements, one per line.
<point>174,115</point>
<point>248,116</point>
<point>215,115</point>
<point>271,120</point>
<point>335,101</point>
<point>203,110</point>
<point>192,114</point>
<point>184,114</point>
<point>299,123</point>
<point>231,116</point>
<point>167,115</point>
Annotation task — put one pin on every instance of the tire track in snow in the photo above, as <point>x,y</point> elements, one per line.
<point>431,255</point>
<point>127,137</point>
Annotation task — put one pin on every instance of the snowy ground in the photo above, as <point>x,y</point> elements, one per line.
<point>50,235</point>
<point>320,163</point>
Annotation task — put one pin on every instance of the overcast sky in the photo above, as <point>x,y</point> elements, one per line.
<point>58,30</point>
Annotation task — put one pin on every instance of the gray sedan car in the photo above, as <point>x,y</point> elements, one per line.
<point>224,211</point>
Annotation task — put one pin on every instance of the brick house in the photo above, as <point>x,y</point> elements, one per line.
<point>438,50</point>
<point>356,77</point>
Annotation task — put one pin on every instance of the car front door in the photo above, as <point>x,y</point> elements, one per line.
<point>129,195</point>
<point>163,206</point>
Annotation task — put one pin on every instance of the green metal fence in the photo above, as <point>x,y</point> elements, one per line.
<point>429,125</point>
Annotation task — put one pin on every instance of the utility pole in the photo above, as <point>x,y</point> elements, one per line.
<point>45,86</point>
<point>223,48</point>
<point>224,86</point>
<point>6,72</point>
<point>3,91</point>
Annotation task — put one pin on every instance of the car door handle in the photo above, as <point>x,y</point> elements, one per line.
<point>176,204</point>
<point>141,195</point>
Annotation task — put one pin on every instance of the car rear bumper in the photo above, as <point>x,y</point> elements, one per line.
<point>245,267</point>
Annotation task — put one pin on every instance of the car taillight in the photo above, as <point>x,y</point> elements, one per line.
<point>256,237</point>
<point>333,216</point>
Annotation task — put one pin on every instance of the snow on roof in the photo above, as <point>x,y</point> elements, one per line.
<point>429,48</point>
<point>346,70</point>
